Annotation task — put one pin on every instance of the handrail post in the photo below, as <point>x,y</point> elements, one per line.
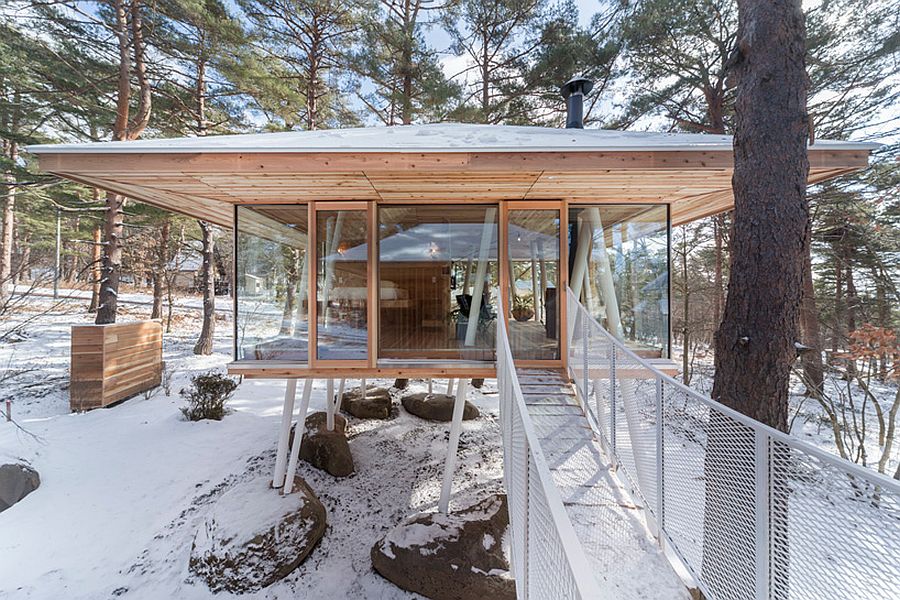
<point>659,459</point>
<point>612,404</point>
<point>584,354</point>
<point>761,455</point>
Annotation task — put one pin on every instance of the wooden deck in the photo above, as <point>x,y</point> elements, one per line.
<point>461,369</point>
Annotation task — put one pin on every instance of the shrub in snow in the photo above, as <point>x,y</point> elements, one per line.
<point>207,396</point>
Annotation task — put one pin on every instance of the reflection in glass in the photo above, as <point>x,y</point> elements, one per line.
<point>341,292</point>
<point>534,275</point>
<point>272,312</point>
<point>618,267</point>
<point>437,281</point>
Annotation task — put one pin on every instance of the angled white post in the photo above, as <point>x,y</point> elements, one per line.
<point>453,446</point>
<point>487,236</point>
<point>298,437</point>
<point>449,386</point>
<point>329,404</point>
<point>287,412</point>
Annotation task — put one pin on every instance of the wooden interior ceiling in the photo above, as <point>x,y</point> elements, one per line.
<point>206,186</point>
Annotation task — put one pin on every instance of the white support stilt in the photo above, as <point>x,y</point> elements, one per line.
<point>430,385</point>
<point>363,385</point>
<point>487,236</point>
<point>298,437</point>
<point>453,446</point>
<point>449,387</point>
<point>329,405</point>
<point>340,395</point>
<point>284,434</point>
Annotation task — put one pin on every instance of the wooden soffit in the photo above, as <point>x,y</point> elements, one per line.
<point>206,186</point>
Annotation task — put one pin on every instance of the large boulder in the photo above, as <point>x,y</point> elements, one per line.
<point>376,403</point>
<point>436,407</point>
<point>326,450</point>
<point>16,482</point>
<point>450,557</point>
<point>254,536</point>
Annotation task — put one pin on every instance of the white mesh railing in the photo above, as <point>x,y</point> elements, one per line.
<point>548,561</point>
<point>752,513</point>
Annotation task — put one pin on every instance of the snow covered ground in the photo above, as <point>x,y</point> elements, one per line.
<point>124,490</point>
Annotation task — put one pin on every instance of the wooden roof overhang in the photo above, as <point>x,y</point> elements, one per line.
<point>206,185</point>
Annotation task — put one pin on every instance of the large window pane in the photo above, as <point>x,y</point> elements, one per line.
<point>272,322</point>
<point>341,290</point>
<point>618,266</point>
<point>534,276</point>
<point>438,281</point>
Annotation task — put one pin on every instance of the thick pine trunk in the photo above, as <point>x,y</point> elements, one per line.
<point>7,230</point>
<point>159,271</point>
<point>852,302</point>
<point>755,342</point>
<point>204,343</point>
<point>96,269</point>
<point>811,359</point>
<point>111,261</point>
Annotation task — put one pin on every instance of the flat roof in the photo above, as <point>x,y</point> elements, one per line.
<point>439,137</point>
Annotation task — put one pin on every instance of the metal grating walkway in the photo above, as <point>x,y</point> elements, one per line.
<point>628,564</point>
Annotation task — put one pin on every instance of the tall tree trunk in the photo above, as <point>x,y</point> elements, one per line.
<point>111,261</point>
<point>291,258</point>
<point>755,343</point>
<point>811,359</point>
<point>11,153</point>
<point>852,302</point>
<point>204,343</point>
<point>96,257</point>
<point>129,37</point>
<point>718,291</point>
<point>159,271</point>
<point>837,331</point>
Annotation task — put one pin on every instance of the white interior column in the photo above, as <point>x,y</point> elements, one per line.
<point>329,405</point>
<point>579,269</point>
<point>535,292</point>
<point>543,263</point>
<point>298,437</point>
<point>453,446</point>
<point>284,434</point>
<point>614,322</point>
<point>487,235</point>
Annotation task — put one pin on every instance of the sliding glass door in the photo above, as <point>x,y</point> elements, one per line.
<point>534,292</point>
<point>619,269</point>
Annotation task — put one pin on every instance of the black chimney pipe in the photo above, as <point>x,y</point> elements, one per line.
<point>574,92</point>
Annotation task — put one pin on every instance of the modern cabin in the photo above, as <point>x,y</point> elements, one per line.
<point>393,251</point>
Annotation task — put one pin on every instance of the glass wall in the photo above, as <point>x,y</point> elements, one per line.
<point>438,281</point>
<point>341,285</point>
<point>618,266</point>
<point>271,321</point>
<point>533,237</point>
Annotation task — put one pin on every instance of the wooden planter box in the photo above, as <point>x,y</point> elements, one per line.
<point>113,362</point>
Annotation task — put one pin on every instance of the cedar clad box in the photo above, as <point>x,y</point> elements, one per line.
<point>113,362</point>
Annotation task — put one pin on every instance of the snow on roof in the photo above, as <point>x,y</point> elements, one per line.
<point>440,137</point>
